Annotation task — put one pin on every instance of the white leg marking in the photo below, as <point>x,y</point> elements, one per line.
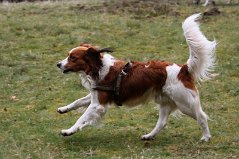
<point>162,121</point>
<point>92,116</point>
<point>85,101</point>
<point>202,121</point>
<point>188,102</point>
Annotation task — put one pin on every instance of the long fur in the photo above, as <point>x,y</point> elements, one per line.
<point>202,58</point>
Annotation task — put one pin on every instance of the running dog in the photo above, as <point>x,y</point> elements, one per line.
<point>113,81</point>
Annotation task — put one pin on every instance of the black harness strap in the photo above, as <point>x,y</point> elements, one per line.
<point>115,89</point>
<point>123,73</point>
<point>103,87</point>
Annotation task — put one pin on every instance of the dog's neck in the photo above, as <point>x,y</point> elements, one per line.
<point>107,61</point>
<point>89,78</point>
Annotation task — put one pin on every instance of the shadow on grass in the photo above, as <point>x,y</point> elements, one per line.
<point>116,140</point>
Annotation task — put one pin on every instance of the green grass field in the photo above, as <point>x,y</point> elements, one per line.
<point>35,36</point>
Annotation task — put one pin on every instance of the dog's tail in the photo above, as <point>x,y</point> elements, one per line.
<point>202,57</point>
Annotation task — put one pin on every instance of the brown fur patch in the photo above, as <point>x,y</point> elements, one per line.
<point>78,63</point>
<point>186,78</point>
<point>84,58</point>
<point>143,76</point>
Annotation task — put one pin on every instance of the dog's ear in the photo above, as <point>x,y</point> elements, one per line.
<point>93,54</point>
<point>94,60</point>
<point>106,50</point>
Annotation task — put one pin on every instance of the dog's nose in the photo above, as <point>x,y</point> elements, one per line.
<point>58,65</point>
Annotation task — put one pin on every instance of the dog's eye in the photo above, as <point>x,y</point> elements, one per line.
<point>72,58</point>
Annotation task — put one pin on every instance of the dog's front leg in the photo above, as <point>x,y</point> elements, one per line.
<point>91,116</point>
<point>85,101</point>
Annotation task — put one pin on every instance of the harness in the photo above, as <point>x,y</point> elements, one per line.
<point>116,88</point>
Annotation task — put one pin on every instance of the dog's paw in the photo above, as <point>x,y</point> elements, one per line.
<point>66,133</point>
<point>147,137</point>
<point>61,110</point>
<point>206,138</point>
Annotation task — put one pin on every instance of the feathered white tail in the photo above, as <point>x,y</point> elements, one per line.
<point>202,58</point>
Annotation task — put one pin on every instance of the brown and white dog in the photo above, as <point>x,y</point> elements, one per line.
<point>170,85</point>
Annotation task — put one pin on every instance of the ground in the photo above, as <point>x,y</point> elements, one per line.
<point>35,36</point>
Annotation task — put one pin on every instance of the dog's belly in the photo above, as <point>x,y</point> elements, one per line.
<point>148,95</point>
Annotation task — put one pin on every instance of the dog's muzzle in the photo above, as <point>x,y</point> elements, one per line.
<point>59,65</point>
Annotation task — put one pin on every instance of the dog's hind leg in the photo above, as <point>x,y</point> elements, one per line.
<point>161,123</point>
<point>189,103</point>
<point>85,101</point>
<point>197,113</point>
<point>202,121</point>
<point>166,107</point>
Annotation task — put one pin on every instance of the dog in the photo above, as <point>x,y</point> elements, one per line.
<point>207,2</point>
<point>113,81</point>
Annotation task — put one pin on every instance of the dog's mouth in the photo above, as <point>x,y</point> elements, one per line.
<point>67,71</point>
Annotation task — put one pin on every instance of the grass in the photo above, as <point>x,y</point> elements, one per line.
<point>35,36</point>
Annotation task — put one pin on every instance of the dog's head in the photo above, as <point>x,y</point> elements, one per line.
<point>84,58</point>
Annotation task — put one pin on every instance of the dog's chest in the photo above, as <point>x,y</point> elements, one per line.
<point>86,80</point>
